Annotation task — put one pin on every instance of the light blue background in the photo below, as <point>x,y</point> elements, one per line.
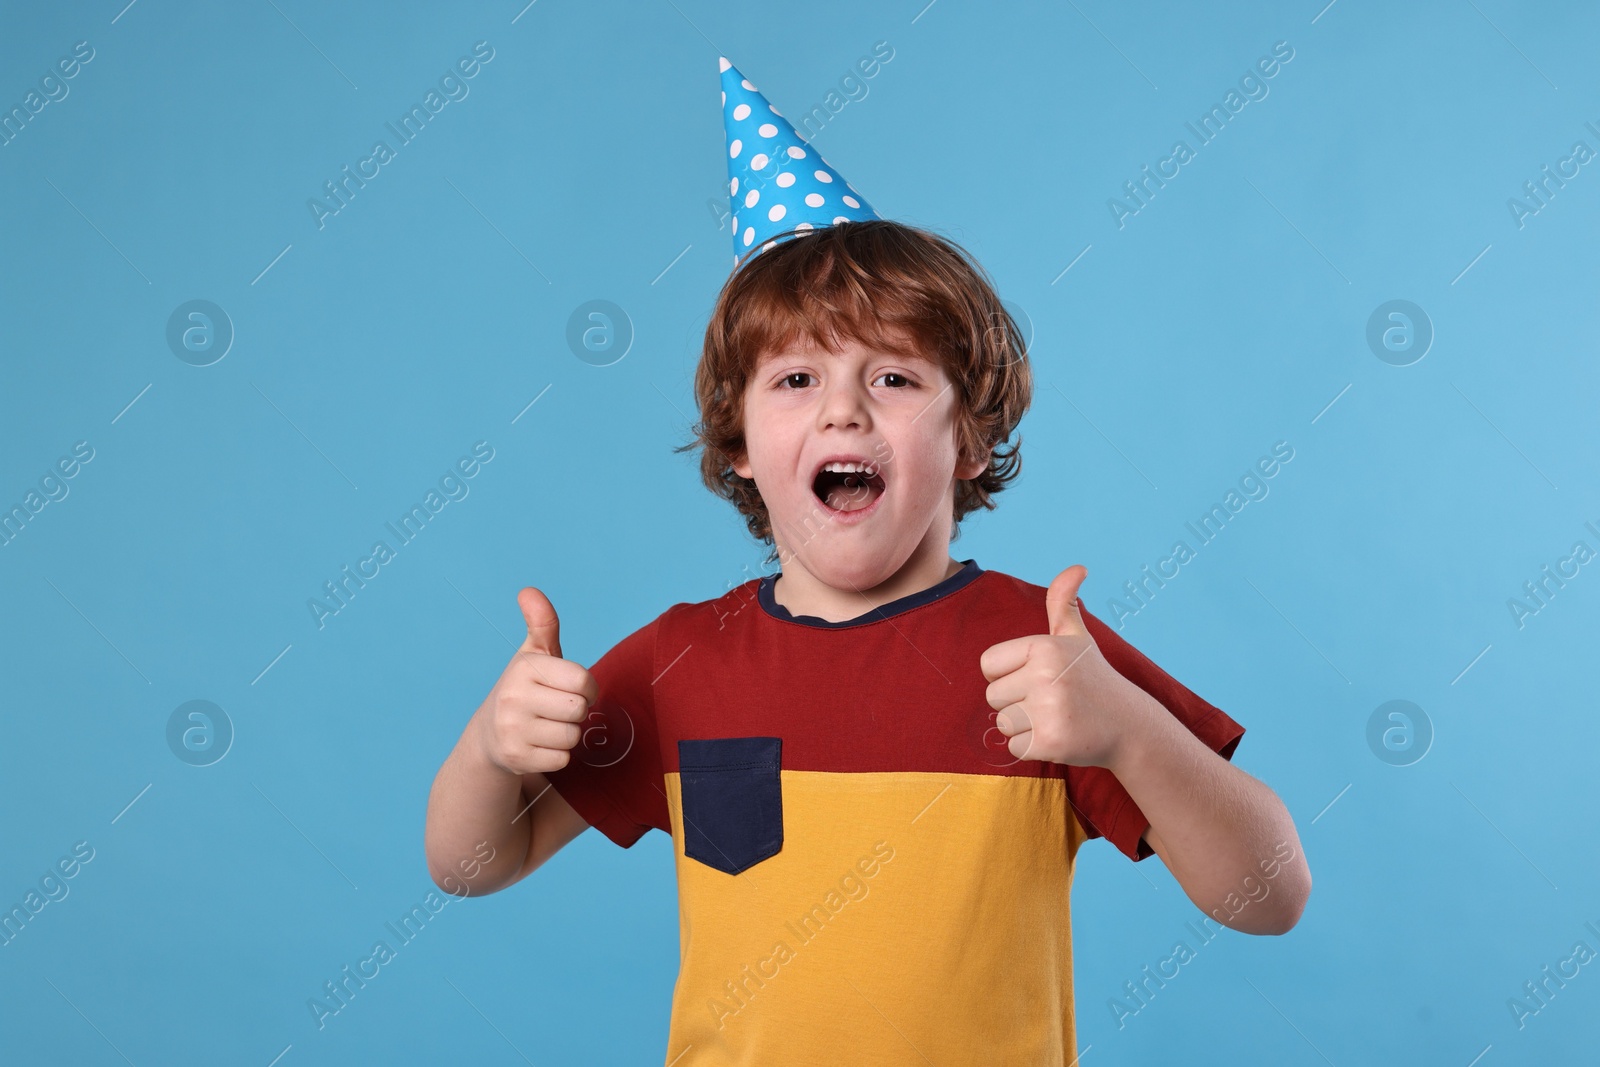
<point>426,315</point>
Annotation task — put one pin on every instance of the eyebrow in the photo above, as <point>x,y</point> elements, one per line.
<point>809,353</point>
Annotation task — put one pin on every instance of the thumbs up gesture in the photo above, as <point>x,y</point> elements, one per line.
<point>1054,693</point>
<point>531,719</point>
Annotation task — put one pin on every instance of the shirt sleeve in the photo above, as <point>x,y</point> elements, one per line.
<point>614,779</point>
<point>1101,803</point>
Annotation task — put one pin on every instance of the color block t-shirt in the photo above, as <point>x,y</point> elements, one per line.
<point>865,872</point>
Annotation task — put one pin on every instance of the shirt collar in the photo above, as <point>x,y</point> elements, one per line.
<point>969,571</point>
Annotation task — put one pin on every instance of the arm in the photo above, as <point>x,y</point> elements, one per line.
<point>492,817</point>
<point>478,809</point>
<point>1223,834</point>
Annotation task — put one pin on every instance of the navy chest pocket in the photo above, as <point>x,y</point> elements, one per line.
<point>732,800</point>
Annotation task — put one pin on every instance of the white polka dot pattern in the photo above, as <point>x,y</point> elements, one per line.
<point>793,195</point>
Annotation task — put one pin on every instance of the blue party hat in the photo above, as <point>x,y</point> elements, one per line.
<point>776,181</point>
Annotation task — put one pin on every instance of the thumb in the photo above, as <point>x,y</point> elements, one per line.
<point>1061,602</point>
<point>544,628</point>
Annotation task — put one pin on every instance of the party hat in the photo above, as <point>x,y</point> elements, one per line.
<point>776,181</point>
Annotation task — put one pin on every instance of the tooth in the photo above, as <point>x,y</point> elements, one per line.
<point>839,467</point>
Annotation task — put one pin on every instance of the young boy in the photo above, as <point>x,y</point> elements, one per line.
<point>876,766</point>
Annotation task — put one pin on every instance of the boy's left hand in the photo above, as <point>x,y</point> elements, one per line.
<point>1058,698</point>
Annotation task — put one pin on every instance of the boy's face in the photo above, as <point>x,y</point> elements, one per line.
<point>895,414</point>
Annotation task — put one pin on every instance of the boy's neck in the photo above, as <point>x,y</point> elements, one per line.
<point>802,593</point>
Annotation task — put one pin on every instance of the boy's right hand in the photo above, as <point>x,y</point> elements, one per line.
<point>531,719</point>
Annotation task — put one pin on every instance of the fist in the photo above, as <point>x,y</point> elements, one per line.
<point>531,720</point>
<point>1054,693</point>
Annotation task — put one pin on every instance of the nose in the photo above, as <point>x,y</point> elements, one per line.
<point>844,405</point>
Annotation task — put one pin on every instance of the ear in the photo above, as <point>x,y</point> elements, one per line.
<point>741,466</point>
<point>968,469</point>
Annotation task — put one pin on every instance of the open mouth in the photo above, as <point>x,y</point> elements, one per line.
<point>848,485</point>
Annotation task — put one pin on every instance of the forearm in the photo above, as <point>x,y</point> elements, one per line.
<point>1226,837</point>
<point>473,802</point>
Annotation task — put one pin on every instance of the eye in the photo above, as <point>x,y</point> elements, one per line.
<point>905,382</point>
<point>789,380</point>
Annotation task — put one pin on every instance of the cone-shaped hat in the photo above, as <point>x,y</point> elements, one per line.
<point>776,181</point>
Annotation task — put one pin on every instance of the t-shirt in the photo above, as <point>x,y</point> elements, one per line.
<point>865,872</point>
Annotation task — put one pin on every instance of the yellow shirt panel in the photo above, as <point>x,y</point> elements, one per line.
<point>890,928</point>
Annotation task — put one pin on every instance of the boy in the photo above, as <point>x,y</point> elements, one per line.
<point>876,766</point>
